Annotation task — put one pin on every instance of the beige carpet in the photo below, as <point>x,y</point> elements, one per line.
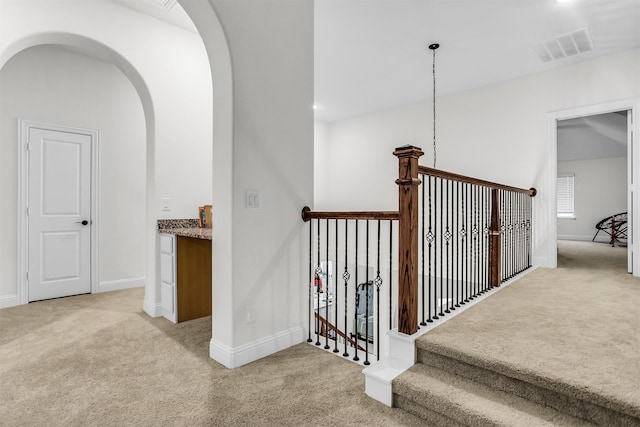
<point>577,325</point>
<point>97,360</point>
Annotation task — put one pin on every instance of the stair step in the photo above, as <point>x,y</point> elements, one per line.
<point>448,399</point>
<point>573,401</point>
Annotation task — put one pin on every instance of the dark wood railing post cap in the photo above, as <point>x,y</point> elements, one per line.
<point>305,214</point>
<point>408,151</point>
<point>533,192</point>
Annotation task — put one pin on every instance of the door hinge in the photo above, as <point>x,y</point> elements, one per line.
<point>28,148</point>
<point>27,276</point>
<point>27,211</point>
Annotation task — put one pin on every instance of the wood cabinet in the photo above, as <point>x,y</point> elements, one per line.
<point>193,278</point>
<point>185,277</point>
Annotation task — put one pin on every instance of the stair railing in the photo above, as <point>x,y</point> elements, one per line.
<point>456,237</point>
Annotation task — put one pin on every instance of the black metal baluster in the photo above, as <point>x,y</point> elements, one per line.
<point>423,323</point>
<point>310,277</point>
<point>529,227</point>
<point>429,238</point>
<point>435,247</point>
<point>511,270</point>
<point>467,239</point>
<point>503,219</point>
<point>378,283</point>
<point>355,311</point>
<point>473,244</point>
<point>439,300</point>
<point>346,276</point>
<point>463,233</point>
<point>390,274</point>
<point>485,238</point>
<point>317,284</point>
<point>458,255</point>
<point>326,292</point>
<point>447,235</point>
<point>335,296</point>
<point>366,291</point>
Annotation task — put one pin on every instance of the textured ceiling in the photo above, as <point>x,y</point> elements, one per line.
<point>371,55</point>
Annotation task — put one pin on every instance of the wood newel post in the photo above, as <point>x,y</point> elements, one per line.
<point>408,183</point>
<point>495,241</point>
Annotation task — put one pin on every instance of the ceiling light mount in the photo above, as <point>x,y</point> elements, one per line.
<point>433,47</point>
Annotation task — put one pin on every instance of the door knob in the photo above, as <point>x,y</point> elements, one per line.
<point>83,222</point>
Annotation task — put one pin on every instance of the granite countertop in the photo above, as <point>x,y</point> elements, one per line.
<point>184,227</point>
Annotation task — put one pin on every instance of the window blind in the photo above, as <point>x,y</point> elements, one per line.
<point>565,195</point>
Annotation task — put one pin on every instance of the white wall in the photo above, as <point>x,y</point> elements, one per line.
<point>271,46</point>
<point>600,190</point>
<point>51,85</point>
<point>499,133</point>
<point>169,68</point>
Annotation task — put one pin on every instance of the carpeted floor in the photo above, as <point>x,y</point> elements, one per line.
<point>578,324</point>
<point>98,360</point>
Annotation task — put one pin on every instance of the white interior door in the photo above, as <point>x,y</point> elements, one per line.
<point>630,195</point>
<point>59,214</point>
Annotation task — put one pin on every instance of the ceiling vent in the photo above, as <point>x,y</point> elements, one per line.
<point>564,46</point>
<point>167,4</point>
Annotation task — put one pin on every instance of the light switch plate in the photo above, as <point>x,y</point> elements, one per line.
<point>166,204</point>
<point>254,200</point>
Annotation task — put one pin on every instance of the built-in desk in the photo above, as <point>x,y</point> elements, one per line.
<point>185,270</point>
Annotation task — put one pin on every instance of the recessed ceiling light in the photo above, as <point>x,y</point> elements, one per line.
<point>315,107</point>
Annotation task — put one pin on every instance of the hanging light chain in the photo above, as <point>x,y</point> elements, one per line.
<point>433,48</point>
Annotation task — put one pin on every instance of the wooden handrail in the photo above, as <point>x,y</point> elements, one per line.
<point>308,214</point>
<point>329,325</point>
<point>424,170</point>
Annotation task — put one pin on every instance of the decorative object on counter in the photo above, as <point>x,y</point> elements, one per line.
<point>204,216</point>
<point>208,216</point>
<point>201,217</point>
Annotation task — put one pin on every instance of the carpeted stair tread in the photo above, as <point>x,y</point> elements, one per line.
<point>542,388</point>
<point>466,402</point>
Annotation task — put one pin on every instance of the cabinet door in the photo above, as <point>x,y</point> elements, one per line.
<point>168,276</point>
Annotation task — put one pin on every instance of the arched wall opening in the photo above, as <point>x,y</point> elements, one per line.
<point>55,85</point>
<point>70,24</point>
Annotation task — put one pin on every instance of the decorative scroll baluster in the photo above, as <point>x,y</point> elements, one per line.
<point>447,237</point>
<point>378,283</point>
<point>422,271</point>
<point>346,276</point>
<point>429,238</point>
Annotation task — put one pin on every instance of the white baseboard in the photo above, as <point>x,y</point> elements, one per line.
<point>247,353</point>
<point>116,285</point>
<point>153,309</point>
<point>577,237</point>
<point>9,301</point>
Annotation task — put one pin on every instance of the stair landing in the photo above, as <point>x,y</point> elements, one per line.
<point>562,338</point>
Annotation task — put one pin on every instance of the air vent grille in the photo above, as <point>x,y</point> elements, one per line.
<point>564,46</point>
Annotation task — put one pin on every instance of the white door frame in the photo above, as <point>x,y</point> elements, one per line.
<point>22,227</point>
<point>609,107</point>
